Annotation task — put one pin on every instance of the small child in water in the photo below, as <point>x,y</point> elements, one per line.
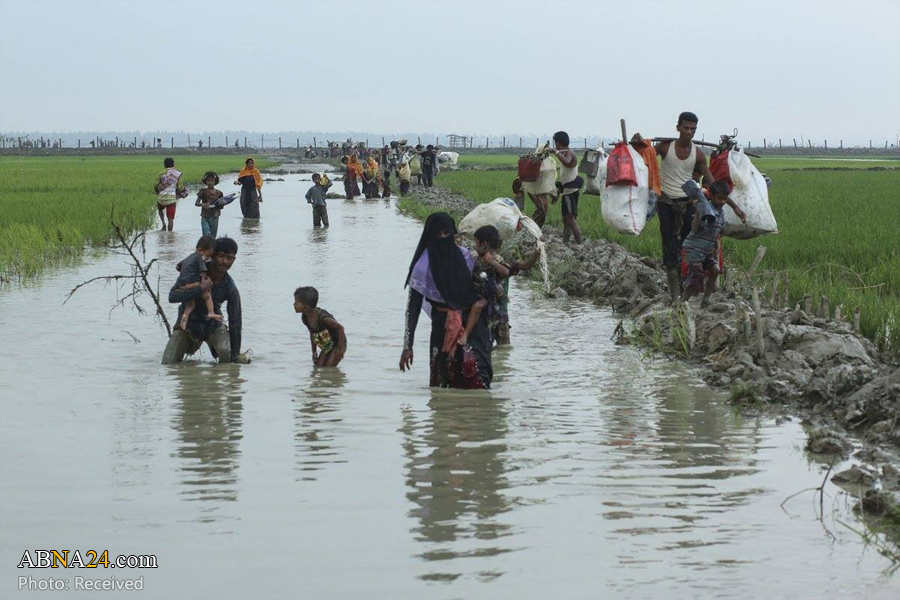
<point>491,277</point>
<point>192,270</point>
<point>701,248</point>
<point>316,197</point>
<point>326,335</point>
<point>386,184</point>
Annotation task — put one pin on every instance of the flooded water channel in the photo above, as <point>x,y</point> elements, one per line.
<point>588,471</point>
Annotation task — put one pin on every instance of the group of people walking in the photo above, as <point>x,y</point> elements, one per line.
<point>464,291</point>
<point>398,161</point>
<point>170,188</point>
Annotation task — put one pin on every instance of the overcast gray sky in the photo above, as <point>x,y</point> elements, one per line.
<point>822,69</point>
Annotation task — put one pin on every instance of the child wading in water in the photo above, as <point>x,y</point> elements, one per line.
<point>208,201</point>
<point>386,184</point>
<point>701,248</point>
<point>491,277</point>
<point>316,197</point>
<point>191,270</point>
<point>326,335</point>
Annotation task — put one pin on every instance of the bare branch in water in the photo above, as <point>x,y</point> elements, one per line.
<point>140,273</point>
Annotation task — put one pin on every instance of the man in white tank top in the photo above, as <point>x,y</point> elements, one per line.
<point>680,159</point>
<point>569,186</point>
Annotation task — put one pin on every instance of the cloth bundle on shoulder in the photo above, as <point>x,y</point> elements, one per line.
<point>502,213</point>
<point>749,191</point>
<point>594,184</point>
<point>624,205</point>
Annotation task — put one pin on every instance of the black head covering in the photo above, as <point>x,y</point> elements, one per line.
<point>448,265</point>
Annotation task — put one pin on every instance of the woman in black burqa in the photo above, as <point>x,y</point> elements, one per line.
<point>440,282</point>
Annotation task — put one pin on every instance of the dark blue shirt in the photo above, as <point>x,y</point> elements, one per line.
<point>225,291</point>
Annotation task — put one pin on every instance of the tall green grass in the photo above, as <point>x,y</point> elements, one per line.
<point>838,235</point>
<point>51,207</point>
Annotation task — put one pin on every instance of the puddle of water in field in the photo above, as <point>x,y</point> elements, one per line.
<point>585,472</point>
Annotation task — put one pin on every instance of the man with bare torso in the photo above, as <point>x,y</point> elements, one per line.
<point>676,211</point>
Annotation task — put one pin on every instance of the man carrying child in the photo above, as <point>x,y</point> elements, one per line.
<point>192,273</point>
<point>224,342</point>
<point>676,211</point>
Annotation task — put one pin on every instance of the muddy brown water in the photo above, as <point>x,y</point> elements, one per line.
<point>588,471</point>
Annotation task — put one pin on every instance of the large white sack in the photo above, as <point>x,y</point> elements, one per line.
<point>751,195</point>
<point>595,185</point>
<point>625,207</point>
<point>449,158</point>
<point>546,183</point>
<point>502,213</point>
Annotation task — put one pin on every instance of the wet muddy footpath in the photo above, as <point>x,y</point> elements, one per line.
<point>590,469</point>
<point>770,357</point>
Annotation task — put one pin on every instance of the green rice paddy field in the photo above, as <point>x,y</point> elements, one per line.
<point>839,231</point>
<point>52,207</point>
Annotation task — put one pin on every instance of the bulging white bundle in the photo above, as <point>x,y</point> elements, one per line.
<point>625,207</point>
<point>503,214</point>
<point>751,195</point>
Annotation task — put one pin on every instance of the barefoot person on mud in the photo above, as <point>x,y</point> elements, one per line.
<point>676,210</point>
<point>404,174</point>
<point>224,342</point>
<point>568,186</point>
<point>429,161</point>
<point>326,335</point>
<point>169,189</point>
<point>440,275</point>
<point>251,182</point>
<point>702,247</point>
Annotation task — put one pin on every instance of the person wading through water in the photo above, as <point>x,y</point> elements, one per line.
<point>251,182</point>
<point>676,210</point>
<point>440,279</point>
<point>354,172</point>
<point>169,189</point>
<point>224,342</point>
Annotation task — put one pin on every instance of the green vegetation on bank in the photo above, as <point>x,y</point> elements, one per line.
<point>838,232</point>
<point>51,207</point>
<point>775,162</point>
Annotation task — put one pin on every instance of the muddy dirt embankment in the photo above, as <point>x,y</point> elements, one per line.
<point>785,360</point>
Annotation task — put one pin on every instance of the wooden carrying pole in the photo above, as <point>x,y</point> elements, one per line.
<point>624,136</point>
